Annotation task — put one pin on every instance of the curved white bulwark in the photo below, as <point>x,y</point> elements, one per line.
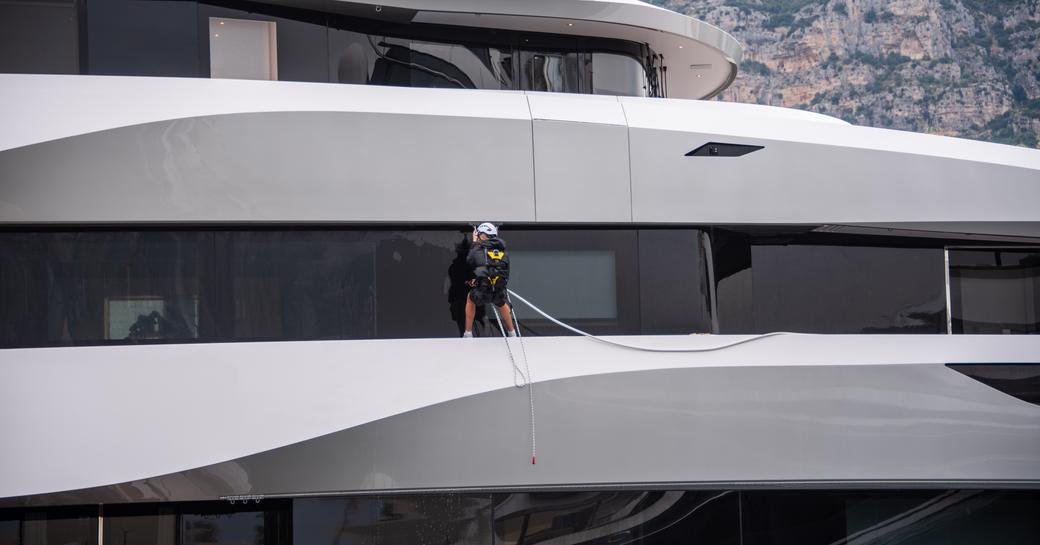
<point>701,59</point>
<point>794,407</point>
<point>199,150</point>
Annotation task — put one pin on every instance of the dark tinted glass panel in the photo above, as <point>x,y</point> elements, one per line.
<point>142,38</point>
<point>353,56</point>
<point>414,63</point>
<point>617,517</point>
<point>98,287</point>
<point>911,518</point>
<point>847,289</point>
<point>995,291</point>
<point>38,37</point>
<point>673,282</point>
<point>552,71</point>
<point>129,525</point>
<point>817,287</point>
<point>391,520</point>
<point>588,278</point>
<point>10,531</point>
<point>267,523</point>
<point>329,284</point>
<point>300,39</point>
<point>60,527</point>
<point>617,74</point>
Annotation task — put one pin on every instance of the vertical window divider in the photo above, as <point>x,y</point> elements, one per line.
<point>949,305</point>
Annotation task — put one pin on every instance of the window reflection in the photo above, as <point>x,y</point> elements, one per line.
<point>616,74</point>
<point>555,72</point>
<point>10,530</point>
<point>457,519</point>
<point>789,281</point>
<point>995,291</point>
<point>62,526</point>
<point>882,517</point>
<point>616,517</point>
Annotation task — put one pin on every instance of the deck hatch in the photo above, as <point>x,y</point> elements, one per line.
<point>721,149</point>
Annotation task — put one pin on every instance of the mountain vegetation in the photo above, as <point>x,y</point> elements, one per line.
<point>967,68</point>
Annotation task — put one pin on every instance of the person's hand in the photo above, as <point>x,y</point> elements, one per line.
<point>472,282</point>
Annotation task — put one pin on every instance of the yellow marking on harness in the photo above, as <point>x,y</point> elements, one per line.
<point>493,279</point>
<point>496,254</point>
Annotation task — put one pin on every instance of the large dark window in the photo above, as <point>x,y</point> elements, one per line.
<point>141,525</point>
<point>102,287</point>
<point>142,38</point>
<point>949,517</point>
<point>995,291</point>
<point>10,528</point>
<point>809,283</point>
<point>602,517</point>
<point>39,37</point>
<point>462,519</point>
<point>61,526</point>
<point>709,518</point>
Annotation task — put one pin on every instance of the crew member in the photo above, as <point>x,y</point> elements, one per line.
<point>487,255</point>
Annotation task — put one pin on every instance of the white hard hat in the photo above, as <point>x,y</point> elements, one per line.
<point>488,229</point>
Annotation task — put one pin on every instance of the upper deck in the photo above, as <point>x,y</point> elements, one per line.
<point>616,47</point>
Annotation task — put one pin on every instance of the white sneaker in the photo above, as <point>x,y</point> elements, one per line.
<point>467,335</point>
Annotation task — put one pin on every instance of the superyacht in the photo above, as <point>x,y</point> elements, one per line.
<point>232,280</point>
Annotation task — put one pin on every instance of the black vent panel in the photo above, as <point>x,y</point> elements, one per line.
<point>1020,380</point>
<point>721,149</point>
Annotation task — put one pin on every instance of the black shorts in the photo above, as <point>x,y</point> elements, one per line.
<point>483,295</point>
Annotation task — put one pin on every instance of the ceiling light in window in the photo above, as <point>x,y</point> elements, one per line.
<point>216,35</point>
<point>222,22</point>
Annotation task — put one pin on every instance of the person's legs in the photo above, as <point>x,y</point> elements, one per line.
<point>471,312</point>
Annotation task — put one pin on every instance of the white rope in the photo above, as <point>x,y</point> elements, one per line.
<point>524,374</point>
<point>647,348</point>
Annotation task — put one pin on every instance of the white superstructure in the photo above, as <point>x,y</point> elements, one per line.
<point>219,288</point>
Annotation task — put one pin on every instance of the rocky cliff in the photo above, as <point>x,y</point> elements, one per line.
<point>968,68</point>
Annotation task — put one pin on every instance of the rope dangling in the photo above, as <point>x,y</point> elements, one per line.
<point>521,377</point>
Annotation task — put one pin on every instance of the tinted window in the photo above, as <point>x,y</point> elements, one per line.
<point>552,71</point>
<point>847,289</point>
<point>995,291</point>
<point>617,517</point>
<point>267,523</point>
<point>39,37</point>
<point>414,63</point>
<point>60,288</point>
<point>911,518</point>
<point>588,278</point>
<point>460,519</point>
<point>616,74</point>
<point>148,525</point>
<point>673,282</point>
<point>353,56</point>
<point>10,530</point>
<point>135,38</point>
<point>60,527</point>
<point>806,285</point>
